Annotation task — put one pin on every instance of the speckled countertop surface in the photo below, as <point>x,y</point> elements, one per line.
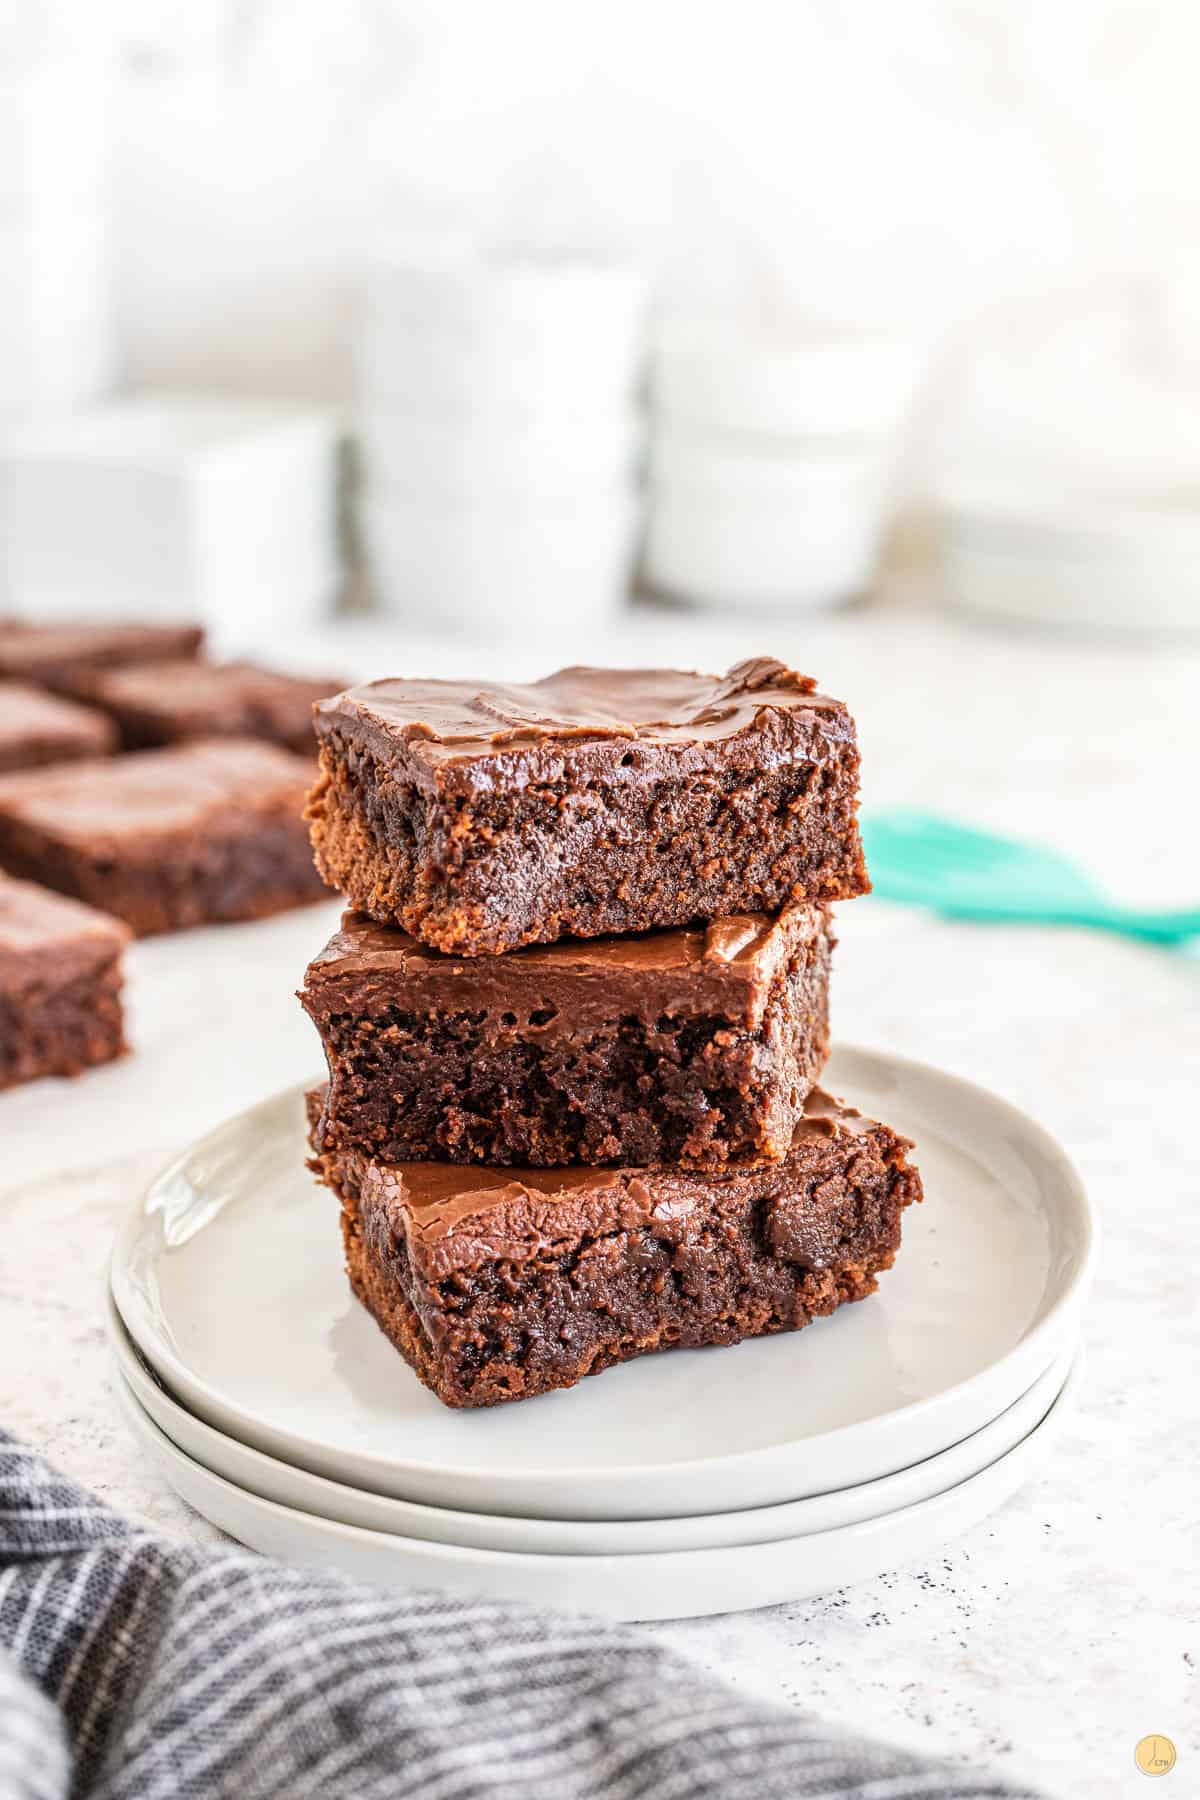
<point>1065,1627</point>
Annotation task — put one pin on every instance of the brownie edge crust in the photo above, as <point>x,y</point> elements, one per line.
<point>594,802</point>
<point>500,1285</point>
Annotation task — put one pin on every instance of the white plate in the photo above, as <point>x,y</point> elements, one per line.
<point>228,1276</point>
<point>273,1480</point>
<point>1157,592</point>
<point>686,1584</point>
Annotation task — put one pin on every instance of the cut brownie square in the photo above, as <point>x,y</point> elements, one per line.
<point>60,984</point>
<point>37,729</point>
<point>596,801</point>
<point>694,1045</point>
<point>500,1285</point>
<point>172,702</point>
<point>50,655</point>
<point>167,838</point>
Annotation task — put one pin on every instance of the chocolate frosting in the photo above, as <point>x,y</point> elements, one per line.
<point>438,726</point>
<point>726,967</point>
<point>37,650</point>
<point>155,790</point>
<point>189,685</point>
<point>30,713</point>
<point>44,935</point>
<point>456,1217</point>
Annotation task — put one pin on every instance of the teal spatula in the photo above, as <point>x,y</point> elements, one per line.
<point>922,860</point>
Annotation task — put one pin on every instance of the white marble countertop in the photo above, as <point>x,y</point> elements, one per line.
<point>1063,1629</point>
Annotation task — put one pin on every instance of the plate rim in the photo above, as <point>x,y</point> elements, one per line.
<point>164,1358</point>
<point>468,1556</point>
<point>124,1353</point>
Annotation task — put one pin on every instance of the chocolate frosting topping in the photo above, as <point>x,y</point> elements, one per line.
<point>34,650</point>
<point>447,722</point>
<point>27,712</point>
<point>184,684</point>
<point>725,968</point>
<point>361,943</point>
<point>435,1204</point>
<point>35,923</point>
<point>153,790</point>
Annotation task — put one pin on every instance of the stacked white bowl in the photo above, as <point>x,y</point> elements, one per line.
<point>57,333</point>
<point>1083,560</point>
<point>496,418</point>
<point>697,1481</point>
<point>1068,495</point>
<point>772,461</point>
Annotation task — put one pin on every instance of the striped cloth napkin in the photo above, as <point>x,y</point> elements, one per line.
<point>134,1668</point>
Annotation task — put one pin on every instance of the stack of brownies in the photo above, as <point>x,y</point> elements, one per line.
<point>575,1025</point>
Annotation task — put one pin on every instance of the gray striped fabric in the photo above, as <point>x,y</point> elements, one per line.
<point>133,1668</point>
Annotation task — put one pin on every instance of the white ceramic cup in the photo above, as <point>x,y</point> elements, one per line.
<point>490,457</point>
<point>732,526</point>
<point>498,568</point>
<point>726,375</point>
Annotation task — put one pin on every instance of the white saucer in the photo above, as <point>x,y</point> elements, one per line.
<point>229,1279</point>
<point>273,1480</point>
<point>686,1584</point>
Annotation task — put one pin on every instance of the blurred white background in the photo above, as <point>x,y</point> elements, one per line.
<point>1003,188</point>
<point>967,169</point>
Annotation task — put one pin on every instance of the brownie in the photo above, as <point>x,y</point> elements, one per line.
<point>597,801</point>
<point>167,838</point>
<point>696,1045</point>
<point>501,1285</point>
<point>51,655</point>
<point>171,702</point>
<point>60,984</point>
<point>37,728</point>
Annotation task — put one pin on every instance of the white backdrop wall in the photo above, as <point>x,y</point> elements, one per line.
<point>962,167</point>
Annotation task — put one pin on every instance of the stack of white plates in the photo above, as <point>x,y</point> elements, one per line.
<point>694,1482</point>
<point>495,411</point>
<point>1072,557</point>
<point>1066,481</point>
<point>772,461</point>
